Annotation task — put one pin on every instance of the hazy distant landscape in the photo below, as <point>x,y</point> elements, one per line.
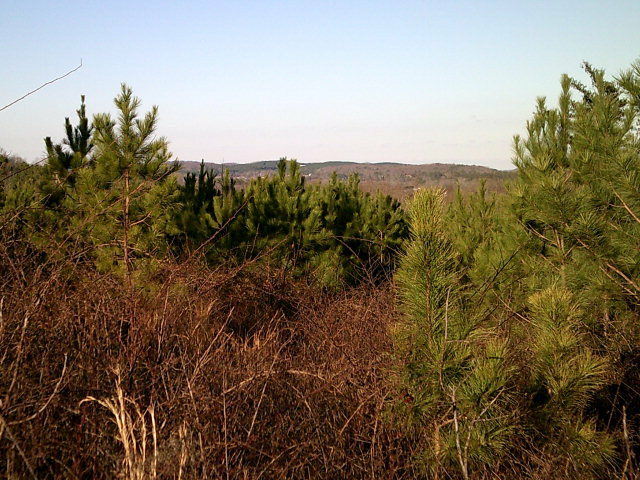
<point>396,179</point>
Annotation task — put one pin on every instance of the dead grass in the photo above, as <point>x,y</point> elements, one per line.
<point>232,373</point>
<point>227,373</point>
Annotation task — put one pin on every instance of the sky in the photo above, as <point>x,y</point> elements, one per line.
<point>365,81</point>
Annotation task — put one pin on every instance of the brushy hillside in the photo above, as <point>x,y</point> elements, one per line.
<point>291,329</point>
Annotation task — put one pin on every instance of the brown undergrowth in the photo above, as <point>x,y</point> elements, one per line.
<point>213,373</point>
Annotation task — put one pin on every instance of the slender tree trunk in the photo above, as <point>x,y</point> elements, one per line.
<point>126,223</point>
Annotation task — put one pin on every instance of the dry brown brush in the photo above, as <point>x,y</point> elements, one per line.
<point>210,373</point>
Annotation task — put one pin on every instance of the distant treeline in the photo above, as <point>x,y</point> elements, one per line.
<point>395,179</point>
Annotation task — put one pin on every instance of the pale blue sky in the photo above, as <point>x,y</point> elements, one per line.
<point>403,81</point>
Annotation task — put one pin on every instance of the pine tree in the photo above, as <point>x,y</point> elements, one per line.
<point>565,375</point>
<point>18,187</point>
<point>128,192</point>
<point>277,208</point>
<point>64,159</point>
<point>45,194</point>
<point>456,374</point>
<point>354,235</point>
<point>472,222</point>
<point>194,221</point>
<point>331,231</point>
<point>207,205</point>
<point>569,293</point>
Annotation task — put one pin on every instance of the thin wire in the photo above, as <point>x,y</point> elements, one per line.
<point>42,86</point>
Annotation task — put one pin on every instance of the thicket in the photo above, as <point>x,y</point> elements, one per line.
<point>152,327</point>
<point>519,346</point>
<point>110,191</point>
<point>333,232</point>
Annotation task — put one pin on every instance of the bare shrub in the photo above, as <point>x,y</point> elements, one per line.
<point>208,373</point>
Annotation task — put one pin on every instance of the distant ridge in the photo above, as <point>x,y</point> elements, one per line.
<point>397,179</point>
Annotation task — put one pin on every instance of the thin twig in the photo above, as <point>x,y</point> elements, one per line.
<point>5,428</point>
<point>46,404</point>
<point>226,438</point>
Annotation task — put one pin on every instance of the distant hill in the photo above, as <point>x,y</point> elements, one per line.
<point>396,179</point>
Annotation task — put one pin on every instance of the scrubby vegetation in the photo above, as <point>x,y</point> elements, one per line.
<point>151,328</point>
<point>396,179</point>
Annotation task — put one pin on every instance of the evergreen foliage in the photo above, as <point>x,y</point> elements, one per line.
<point>207,205</point>
<point>546,280</point>
<point>277,208</point>
<point>334,231</point>
<point>130,187</point>
<point>106,192</point>
<point>455,373</point>
<point>517,349</point>
<point>62,162</point>
<point>576,204</point>
<point>471,222</point>
<point>357,234</point>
